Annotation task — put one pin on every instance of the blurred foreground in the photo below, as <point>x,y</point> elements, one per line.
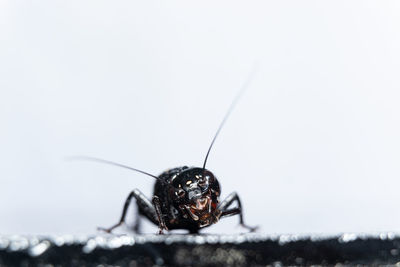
<point>199,250</point>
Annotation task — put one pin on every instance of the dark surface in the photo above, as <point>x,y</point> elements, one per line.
<point>199,250</point>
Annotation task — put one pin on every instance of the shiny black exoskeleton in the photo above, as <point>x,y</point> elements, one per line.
<point>184,198</point>
<point>190,199</point>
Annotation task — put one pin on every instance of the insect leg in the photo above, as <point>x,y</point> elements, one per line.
<point>161,222</point>
<point>144,205</point>
<point>137,226</point>
<point>225,212</point>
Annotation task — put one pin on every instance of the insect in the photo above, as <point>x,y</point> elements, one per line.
<point>184,197</point>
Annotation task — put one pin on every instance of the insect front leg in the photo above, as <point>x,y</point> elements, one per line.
<point>226,212</point>
<point>144,205</point>
<point>161,222</point>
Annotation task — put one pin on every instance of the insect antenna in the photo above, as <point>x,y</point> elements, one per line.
<point>231,107</point>
<point>112,163</point>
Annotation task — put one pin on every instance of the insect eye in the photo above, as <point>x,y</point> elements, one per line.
<point>180,192</point>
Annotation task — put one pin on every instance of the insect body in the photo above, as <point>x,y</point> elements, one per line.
<point>184,197</point>
<point>190,201</point>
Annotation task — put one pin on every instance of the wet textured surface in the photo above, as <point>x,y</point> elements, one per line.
<point>199,250</point>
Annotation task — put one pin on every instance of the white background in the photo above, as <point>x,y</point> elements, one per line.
<point>312,147</point>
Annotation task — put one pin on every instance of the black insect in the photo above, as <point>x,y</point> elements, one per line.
<point>184,197</point>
